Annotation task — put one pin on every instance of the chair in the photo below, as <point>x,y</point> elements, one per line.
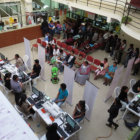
<point>36,44</point>
<point>76,51</point>
<point>44,44</point>
<point>59,43</point>
<point>21,113</point>
<point>96,63</point>
<point>64,45</point>
<point>35,80</point>
<point>25,59</point>
<point>54,40</point>
<point>117,91</point>
<point>83,54</point>
<point>43,137</point>
<point>69,48</point>
<point>132,82</point>
<point>90,59</point>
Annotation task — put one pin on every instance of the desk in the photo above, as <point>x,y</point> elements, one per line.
<point>13,127</point>
<point>59,120</point>
<point>14,70</point>
<point>128,109</point>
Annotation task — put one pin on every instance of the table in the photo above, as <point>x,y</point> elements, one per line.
<point>13,127</point>
<point>128,109</point>
<point>23,77</point>
<point>59,120</point>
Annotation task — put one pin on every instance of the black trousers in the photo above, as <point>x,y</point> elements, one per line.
<point>110,120</point>
<point>136,68</point>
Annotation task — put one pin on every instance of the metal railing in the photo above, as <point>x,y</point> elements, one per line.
<point>121,7</point>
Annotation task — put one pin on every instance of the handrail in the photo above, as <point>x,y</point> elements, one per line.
<point>119,6</point>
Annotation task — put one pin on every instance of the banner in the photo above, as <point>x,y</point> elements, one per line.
<point>114,83</point>
<point>41,57</point>
<point>136,2</point>
<point>128,72</point>
<point>90,93</point>
<point>28,52</point>
<point>69,75</point>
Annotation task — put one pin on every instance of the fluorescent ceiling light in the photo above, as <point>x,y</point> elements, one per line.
<point>45,6</point>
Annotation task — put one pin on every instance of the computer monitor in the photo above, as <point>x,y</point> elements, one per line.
<point>70,121</point>
<point>35,91</point>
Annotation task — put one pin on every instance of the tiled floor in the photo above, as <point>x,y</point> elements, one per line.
<point>90,129</point>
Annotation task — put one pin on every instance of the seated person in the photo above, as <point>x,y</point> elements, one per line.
<point>52,132</point>
<point>7,79</point>
<point>79,111</point>
<point>16,86</point>
<point>103,71</point>
<point>83,73</point>
<point>99,69</point>
<point>136,87</point>
<point>62,95</point>
<point>19,62</point>
<point>109,75</point>
<point>70,59</point>
<point>62,55</point>
<point>78,62</point>
<point>36,69</point>
<point>46,38</point>
<point>24,106</point>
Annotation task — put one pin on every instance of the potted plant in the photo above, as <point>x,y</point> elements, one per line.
<point>126,19</point>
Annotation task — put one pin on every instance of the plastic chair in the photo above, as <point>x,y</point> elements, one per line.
<point>21,113</point>
<point>69,48</point>
<point>25,59</point>
<point>54,40</point>
<point>90,59</point>
<point>117,91</point>
<point>58,43</point>
<point>36,44</point>
<point>64,45</point>
<point>83,54</point>
<point>44,44</point>
<point>97,62</point>
<point>76,51</point>
<point>132,82</point>
<point>43,137</point>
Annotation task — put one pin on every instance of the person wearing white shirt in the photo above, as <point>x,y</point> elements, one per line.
<point>56,51</point>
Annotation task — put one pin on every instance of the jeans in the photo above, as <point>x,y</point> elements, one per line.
<point>58,103</point>
<point>79,119</point>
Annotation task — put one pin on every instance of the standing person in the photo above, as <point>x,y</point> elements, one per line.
<point>129,54</point>
<point>79,111</point>
<point>64,29</point>
<point>36,69</point>
<point>44,27</point>
<point>110,74</point>
<point>113,44</point>
<point>136,53</point>
<point>7,80</point>
<point>113,113</point>
<point>62,95</point>
<point>51,28</point>
<point>136,66</point>
<point>58,29</point>
<point>121,50</point>
<point>52,132</point>
<point>83,73</point>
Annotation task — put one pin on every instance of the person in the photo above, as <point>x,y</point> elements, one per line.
<point>36,69</point>
<point>78,62</point>
<point>52,132</point>
<point>62,55</point>
<point>136,53</point>
<point>129,54</point>
<point>79,111</point>
<point>51,28</point>
<point>23,105</point>
<point>58,29</point>
<point>95,36</point>
<point>62,95</point>
<point>70,59</point>
<point>56,51</point>
<point>136,66</point>
<point>136,87</point>
<point>99,69</point>
<point>64,29</point>
<point>113,44</point>
<point>70,40</point>
<point>7,80</point>
<point>44,27</point>
<point>46,38</point>
<point>113,113</point>
<point>121,50</point>
<point>123,96</point>
<point>17,87</point>
<point>19,62</point>
<point>103,71</point>
<point>109,75</point>
<point>83,73</point>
